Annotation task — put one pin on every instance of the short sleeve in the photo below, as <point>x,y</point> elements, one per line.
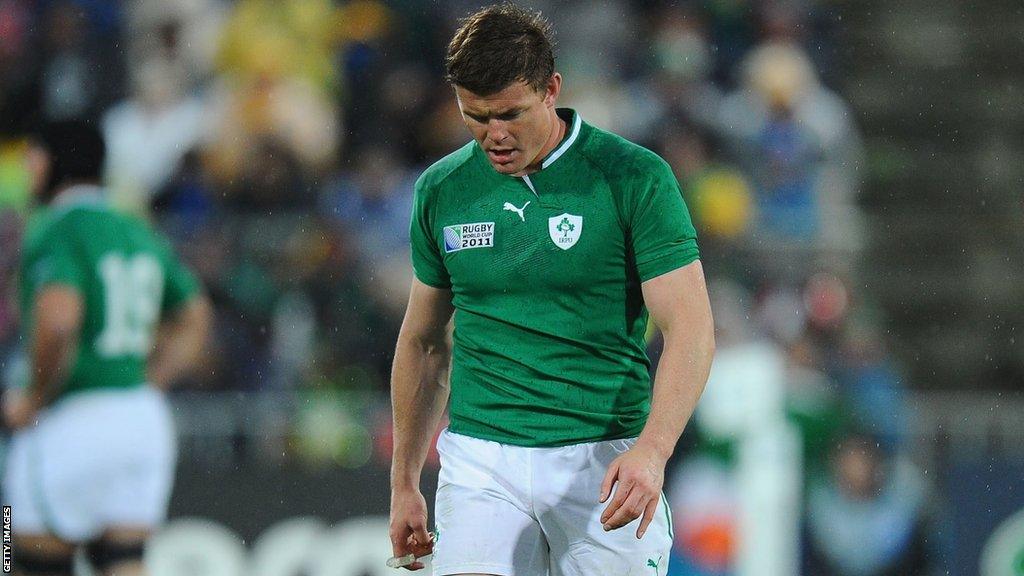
<point>57,262</point>
<point>180,285</point>
<point>427,261</point>
<point>663,235</point>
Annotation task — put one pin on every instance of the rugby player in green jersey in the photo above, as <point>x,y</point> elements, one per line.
<point>110,319</point>
<point>551,242</point>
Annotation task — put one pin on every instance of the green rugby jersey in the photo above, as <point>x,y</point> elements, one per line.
<point>126,274</point>
<point>545,273</point>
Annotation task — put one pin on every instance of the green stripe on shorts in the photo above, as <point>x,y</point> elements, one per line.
<point>668,516</point>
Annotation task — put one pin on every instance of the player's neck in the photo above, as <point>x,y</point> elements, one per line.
<point>554,138</point>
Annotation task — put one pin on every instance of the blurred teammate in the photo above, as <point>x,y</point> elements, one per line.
<point>111,318</point>
<point>549,240</point>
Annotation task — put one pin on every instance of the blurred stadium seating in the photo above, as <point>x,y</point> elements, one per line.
<point>854,169</point>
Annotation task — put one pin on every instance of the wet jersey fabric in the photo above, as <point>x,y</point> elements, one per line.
<point>545,273</point>
<point>126,274</point>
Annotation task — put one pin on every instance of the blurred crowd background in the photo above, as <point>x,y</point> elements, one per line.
<point>276,142</point>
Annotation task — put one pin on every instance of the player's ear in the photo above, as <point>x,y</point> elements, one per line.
<point>552,89</point>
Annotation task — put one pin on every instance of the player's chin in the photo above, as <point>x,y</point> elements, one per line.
<point>507,168</point>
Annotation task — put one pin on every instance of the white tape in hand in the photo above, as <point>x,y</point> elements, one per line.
<point>403,561</point>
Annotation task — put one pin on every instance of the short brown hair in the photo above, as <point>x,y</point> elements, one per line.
<point>499,45</point>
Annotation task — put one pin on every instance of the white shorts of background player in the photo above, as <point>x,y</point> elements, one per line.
<point>516,511</point>
<point>96,459</point>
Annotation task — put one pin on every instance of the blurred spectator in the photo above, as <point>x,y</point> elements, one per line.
<point>249,298</point>
<point>279,83</point>
<point>601,41</point>
<point>288,111</point>
<point>757,370</point>
<point>10,236</point>
<point>406,94</point>
<point>705,504</point>
<point>441,129</point>
<point>150,133</point>
<point>373,205</point>
<point>82,70</point>
<point>595,55</point>
<point>733,30</point>
<point>271,178</point>
<point>14,177</point>
<point>369,57</point>
<point>18,64</point>
<point>182,35</point>
<point>797,140</point>
<point>186,202</point>
<point>873,386</point>
<point>681,66</point>
<point>293,331</point>
<point>282,39</point>
<point>14,203</point>
<point>815,404</point>
<point>374,202</point>
<point>868,518</point>
<point>356,330</point>
<point>718,195</point>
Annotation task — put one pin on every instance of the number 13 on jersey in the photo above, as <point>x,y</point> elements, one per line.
<point>133,289</point>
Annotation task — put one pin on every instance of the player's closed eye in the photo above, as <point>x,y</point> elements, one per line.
<point>506,117</point>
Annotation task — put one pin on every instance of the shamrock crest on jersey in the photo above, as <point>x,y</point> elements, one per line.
<point>565,230</point>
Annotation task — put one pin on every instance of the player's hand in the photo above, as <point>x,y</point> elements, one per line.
<point>409,525</point>
<point>637,475</point>
<point>20,409</point>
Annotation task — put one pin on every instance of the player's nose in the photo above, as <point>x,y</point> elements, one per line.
<point>497,131</point>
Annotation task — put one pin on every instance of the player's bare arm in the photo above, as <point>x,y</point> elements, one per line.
<point>180,342</point>
<point>679,306</point>
<point>419,392</point>
<point>58,318</point>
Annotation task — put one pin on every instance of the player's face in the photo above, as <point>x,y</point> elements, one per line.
<point>516,127</point>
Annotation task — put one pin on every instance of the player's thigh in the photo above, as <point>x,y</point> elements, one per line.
<point>482,524</point>
<point>127,482</point>
<point>571,518</point>
<point>480,534</point>
<point>22,484</point>
<point>46,481</point>
<point>35,515</point>
<point>618,551</point>
<point>138,490</point>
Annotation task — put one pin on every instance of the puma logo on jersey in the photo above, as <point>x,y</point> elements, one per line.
<point>511,208</point>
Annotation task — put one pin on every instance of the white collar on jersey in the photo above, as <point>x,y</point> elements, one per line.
<point>573,134</point>
<point>77,195</point>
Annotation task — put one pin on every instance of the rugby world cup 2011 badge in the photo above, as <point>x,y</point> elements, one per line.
<point>466,236</point>
<point>565,230</point>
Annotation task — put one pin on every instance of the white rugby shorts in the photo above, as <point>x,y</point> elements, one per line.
<point>517,511</point>
<point>96,459</point>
